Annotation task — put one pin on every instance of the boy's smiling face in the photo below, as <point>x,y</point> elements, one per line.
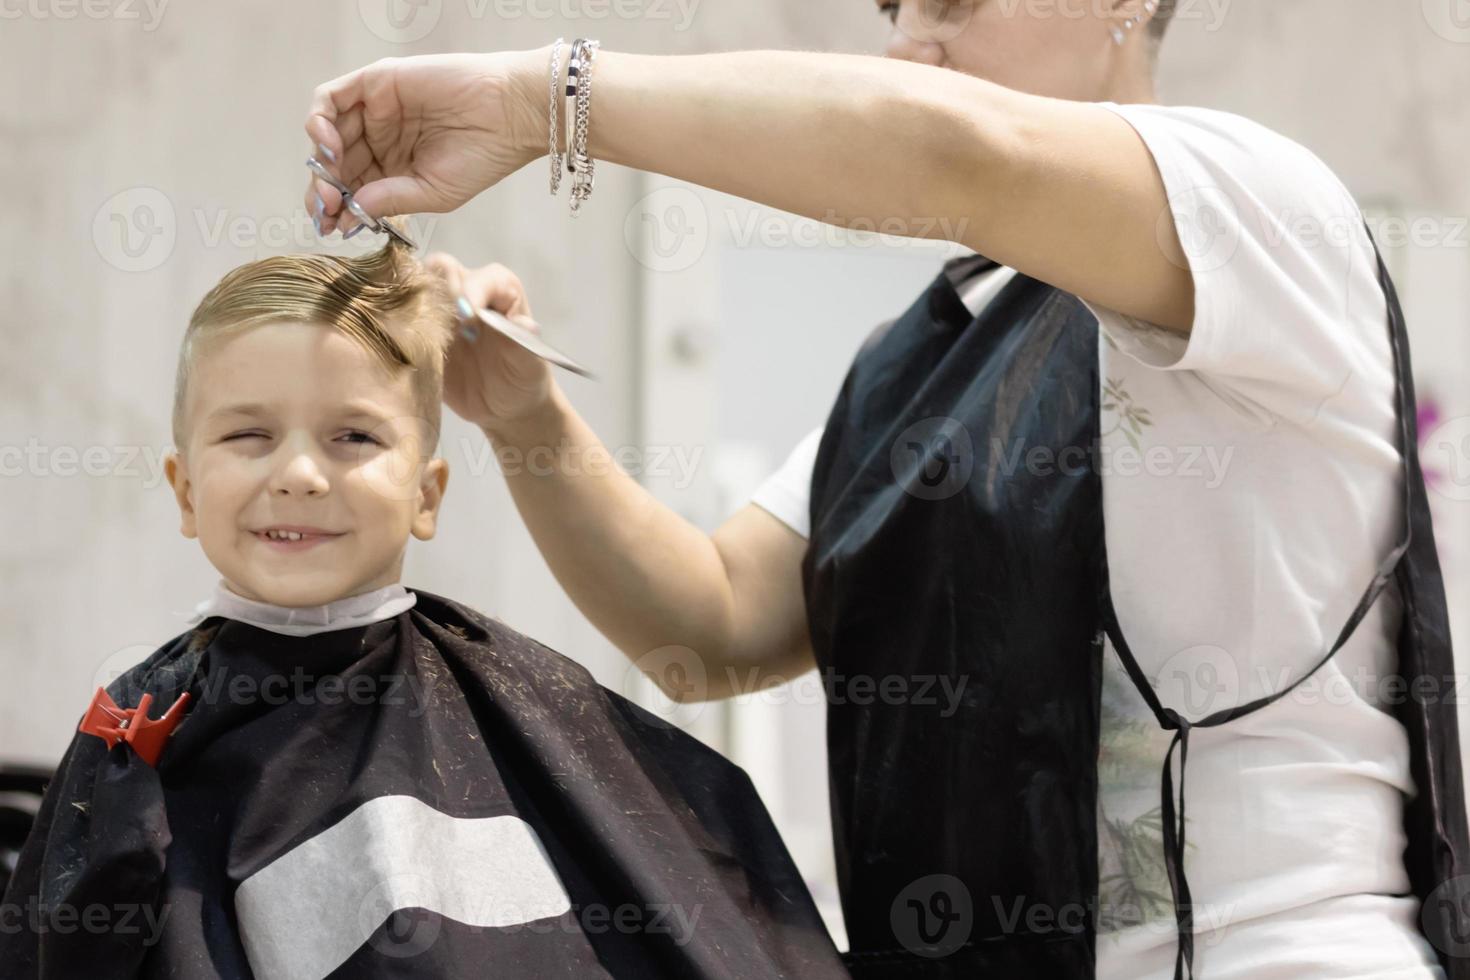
<point>294,424</point>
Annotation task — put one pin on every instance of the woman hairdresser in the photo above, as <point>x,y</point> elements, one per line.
<point>1137,480</point>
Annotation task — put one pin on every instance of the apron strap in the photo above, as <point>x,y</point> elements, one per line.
<point>1171,720</point>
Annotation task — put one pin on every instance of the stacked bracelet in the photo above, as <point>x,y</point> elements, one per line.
<point>577,113</point>
<point>556,156</point>
<point>569,115</point>
<point>583,176</point>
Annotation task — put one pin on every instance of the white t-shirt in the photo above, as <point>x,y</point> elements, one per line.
<point>1250,489</point>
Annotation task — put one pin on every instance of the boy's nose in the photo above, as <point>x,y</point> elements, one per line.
<point>299,473</point>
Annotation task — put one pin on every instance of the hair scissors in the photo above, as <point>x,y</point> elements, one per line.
<point>376,224</point>
<point>496,321</point>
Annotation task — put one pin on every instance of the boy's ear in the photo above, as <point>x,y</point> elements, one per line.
<point>178,478</point>
<point>431,495</point>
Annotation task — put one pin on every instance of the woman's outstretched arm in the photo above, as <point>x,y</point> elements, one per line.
<point>1064,191</point>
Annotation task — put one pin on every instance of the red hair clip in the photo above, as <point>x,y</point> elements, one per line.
<point>112,724</point>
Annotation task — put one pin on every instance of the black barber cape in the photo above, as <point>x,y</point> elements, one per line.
<point>430,795</point>
<point>929,556</point>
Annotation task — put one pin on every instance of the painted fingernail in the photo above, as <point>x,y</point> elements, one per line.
<point>318,222</point>
<point>331,157</point>
<point>465,309</point>
<point>468,332</point>
<point>321,206</point>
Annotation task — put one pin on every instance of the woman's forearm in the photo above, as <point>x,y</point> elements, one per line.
<point>643,575</point>
<point>854,140</point>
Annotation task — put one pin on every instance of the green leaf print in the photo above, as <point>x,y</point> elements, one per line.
<point>1130,419</point>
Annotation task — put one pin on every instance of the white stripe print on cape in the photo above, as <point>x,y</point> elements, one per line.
<point>305,913</point>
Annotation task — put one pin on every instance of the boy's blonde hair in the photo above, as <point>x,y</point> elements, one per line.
<point>386,301</point>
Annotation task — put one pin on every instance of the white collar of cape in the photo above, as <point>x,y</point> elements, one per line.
<point>339,614</point>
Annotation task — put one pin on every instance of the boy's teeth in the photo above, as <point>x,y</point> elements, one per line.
<point>284,535</point>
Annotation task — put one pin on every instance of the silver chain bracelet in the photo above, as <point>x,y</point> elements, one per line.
<point>569,114</point>
<point>579,161</point>
<point>555,85</point>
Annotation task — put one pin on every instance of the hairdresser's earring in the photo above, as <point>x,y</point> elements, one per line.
<point>1118,34</point>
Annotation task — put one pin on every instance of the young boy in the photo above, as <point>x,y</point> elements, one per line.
<point>331,775</point>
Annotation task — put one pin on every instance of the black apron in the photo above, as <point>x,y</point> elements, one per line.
<point>309,817</point>
<point>966,839</point>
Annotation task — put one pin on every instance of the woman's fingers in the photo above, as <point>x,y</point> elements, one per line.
<point>526,321</point>
<point>330,100</point>
<point>383,197</point>
<point>349,127</point>
<point>496,287</point>
<point>334,126</point>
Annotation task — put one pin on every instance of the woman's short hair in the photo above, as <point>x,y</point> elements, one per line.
<point>1161,19</point>
<point>386,301</point>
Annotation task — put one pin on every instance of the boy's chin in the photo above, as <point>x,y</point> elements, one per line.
<point>308,590</point>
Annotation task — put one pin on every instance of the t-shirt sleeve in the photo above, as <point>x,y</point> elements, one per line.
<point>1282,265</point>
<point>787,492</point>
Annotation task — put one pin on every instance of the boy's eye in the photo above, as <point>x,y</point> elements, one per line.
<point>365,435</point>
<point>356,435</point>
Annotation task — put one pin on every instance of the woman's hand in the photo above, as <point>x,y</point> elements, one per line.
<point>426,133</point>
<point>491,380</point>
